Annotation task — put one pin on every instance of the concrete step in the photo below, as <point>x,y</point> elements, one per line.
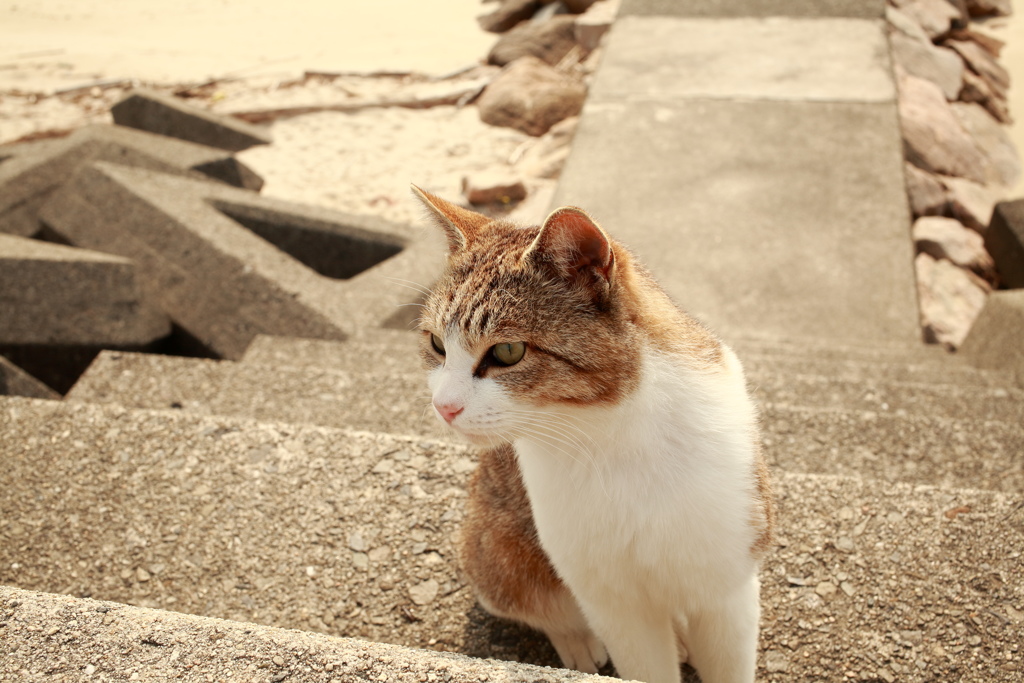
<point>350,534</point>
<point>62,638</point>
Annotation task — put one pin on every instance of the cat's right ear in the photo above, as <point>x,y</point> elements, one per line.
<point>460,225</point>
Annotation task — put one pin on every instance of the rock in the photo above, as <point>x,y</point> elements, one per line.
<point>776,661</point>
<point>356,542</point>
<point>980,8</point>
<point>549,41</point>
<point>904,23</point>
<point>989,43</point>
<point>579,6</point>
<point>926,193</point>
<point>982,63</point>
<point>493,186</point>
<point>530,96</point>
<point>950,299</point>
<point>933,138</point>
<point>921,58</point>
<point>825,589</point>
<point>546,158</point>
<point>936,17</point>
<point>994,340</point>
<point>425,592</point>
<point>992,140</point>
<point>971,203</point>
<point>508,14</point>
<point>946,238</point>
<point>594,23</point>
<point>1004,240</point>
<point>976,89</point>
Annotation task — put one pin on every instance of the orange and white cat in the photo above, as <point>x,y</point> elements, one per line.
<point>622,501</point>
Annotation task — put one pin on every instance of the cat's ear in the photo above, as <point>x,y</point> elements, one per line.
<point>460,225</point>
<point>576,246</point>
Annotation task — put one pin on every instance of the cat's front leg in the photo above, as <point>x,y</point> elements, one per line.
<point>722,636</point>
<point>641,643</point>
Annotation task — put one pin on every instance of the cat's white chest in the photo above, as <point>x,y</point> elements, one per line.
<point>660,497</point>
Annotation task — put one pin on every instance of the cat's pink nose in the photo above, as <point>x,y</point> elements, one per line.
<point>448,411</point>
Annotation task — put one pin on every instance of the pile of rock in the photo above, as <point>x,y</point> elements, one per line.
<point>959,159</point>
<point>547,50</point>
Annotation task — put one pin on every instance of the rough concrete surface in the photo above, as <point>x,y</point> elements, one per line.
<point>661,58</point>
<point>199,249</point>
<point>53,294</point>
<point>855,9</point>
<point>31,171</point>
<point>63,639</point>
<point>995,340</point>
<point>174,117</point>
<point>349,533</point>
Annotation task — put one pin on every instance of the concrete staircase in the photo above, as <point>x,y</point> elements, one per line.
<point>304,492</point>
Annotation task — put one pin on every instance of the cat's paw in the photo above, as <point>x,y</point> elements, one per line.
<point>580,651</point>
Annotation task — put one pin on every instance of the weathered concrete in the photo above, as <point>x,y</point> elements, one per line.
<point>784,219</point>
<point>1004,240</point>
<point>857,9</point>
<point>59,638</point>
<point>330,530</point>
<point>173,117</point>
<point>201,249</point>
<point>667,58</point>
<point>16,382</point>
<point>57,295</point>
<point>30,172</point>
<point>996,340</point>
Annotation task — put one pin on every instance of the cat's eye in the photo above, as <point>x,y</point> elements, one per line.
<point>508,353</point>
<point>437,343</point>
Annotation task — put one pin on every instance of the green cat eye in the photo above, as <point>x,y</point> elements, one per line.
<point>436,342</point>
<point>508,353</point>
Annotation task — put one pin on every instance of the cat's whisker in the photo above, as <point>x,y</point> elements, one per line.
<point>410,284</point>
<point>544,438</point>
<point>562,426</point>
<point>569,439</point>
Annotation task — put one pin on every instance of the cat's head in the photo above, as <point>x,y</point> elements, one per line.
<point>525,320</point>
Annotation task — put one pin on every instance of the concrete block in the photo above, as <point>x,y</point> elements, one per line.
<point>204,256</point>
<point>996,339</point>
<point>171,116</point>
<point>112,638</point>
<point>858,9</point>
<point>56,295</point>
<point>810,59</point>
<point>30,172</point>
<point>16,382</point>
<point>1004,240</point>
<point>329,530</point>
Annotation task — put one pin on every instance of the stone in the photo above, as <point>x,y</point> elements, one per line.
<point>976,89</point>
<point>950,299</point>
<point>947,238</point>
<point>425,592</point>
<point>530,96</point>
<point>904,23</point>
<point>981,8</point>
<point>937,64</point>
<point>1004,240</point>
<point>508,14</point>
<point>493,186</point>
<point>592,25</point>
<point>549,41</point>
<point>30,172</point>
<point>925,191</point>
<point>227,265</point>
<point>16,382</point>
<point>776,661</point>
<point>936,17</point>
<point>995,339</point>
<point>933,138</point>
<point>971,203</point>
<point>992,140</point>
<point>579,6</point>
<point>173,117</point>
<point>981,62</point>
<point>852,9</point>
<point>994,46</point>
<point>51,294</point>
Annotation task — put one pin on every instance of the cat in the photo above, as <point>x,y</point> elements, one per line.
<point>621,504</point>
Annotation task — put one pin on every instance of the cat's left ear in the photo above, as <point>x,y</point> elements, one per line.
<point>576,245</point>
<point>460,225</point>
